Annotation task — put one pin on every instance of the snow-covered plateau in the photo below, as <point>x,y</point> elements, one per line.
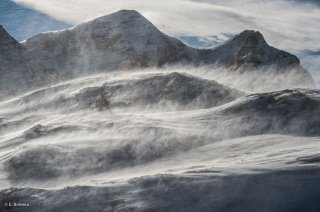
<point>113,115</point>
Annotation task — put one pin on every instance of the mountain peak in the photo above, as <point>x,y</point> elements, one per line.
<point>4,33</point>
<point>249,49</point>
<point>128,12</point>
<point>7,41</point>
<point>125,16</point>
<point>249,37</point>
<point>126,40</point>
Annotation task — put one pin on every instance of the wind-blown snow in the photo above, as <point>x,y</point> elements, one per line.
<point>232,128</point>
<point>127,40</point>
<point>181,145</point>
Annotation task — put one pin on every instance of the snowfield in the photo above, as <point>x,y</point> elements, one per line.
<point>197,146</point>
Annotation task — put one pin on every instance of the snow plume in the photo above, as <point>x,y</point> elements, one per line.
<point>257,80</point>
<point>311,61</point>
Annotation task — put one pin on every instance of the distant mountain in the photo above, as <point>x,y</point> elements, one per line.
<point>315,2</point>
<point>311,52</point>
<point>249,49</point>
<point>122,40</point>
<point>126,39</point>
<point>18,70</point>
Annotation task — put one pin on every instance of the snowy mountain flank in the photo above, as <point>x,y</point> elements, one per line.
<point>114,115</point>
<point>126,40</point>
<point>18,70</point>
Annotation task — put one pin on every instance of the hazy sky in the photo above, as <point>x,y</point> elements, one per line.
<point>291,25</point>
<point>23,22</point>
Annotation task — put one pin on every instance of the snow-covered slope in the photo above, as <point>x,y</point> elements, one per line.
<point>18,71</point>
<point>249,49</point>
<point>292,112</point>
<point>216,149</point>
<point>122,40</point>
<point>248,54</point>
<point>149,91</point>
